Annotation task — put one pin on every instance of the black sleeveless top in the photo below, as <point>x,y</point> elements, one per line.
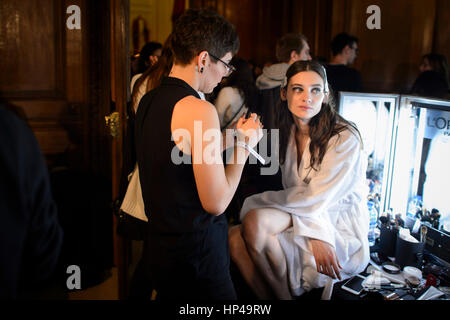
<point>180,231</point>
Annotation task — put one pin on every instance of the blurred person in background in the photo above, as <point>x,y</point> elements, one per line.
<point>30,234</point>
<point>237,95</point>
<point>433,80</point>
<point>341,76</point>
<point>147,57</point>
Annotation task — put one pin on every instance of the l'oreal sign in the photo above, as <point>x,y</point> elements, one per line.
<point>438,122</point>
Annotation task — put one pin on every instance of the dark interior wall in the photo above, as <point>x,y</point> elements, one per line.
<point>258,23</point>
<point>441,37</point>
<point>59,77</point>
<point>389,57</point>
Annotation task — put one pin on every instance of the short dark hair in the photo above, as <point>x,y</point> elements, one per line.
<point>287,43</point>
<point>340,41</point>
<point>198,30</point>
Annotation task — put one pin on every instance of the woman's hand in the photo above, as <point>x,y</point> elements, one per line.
<point>326,260</point>
<point>249,130</point>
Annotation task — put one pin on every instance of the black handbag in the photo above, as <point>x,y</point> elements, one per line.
<point>130,227</point>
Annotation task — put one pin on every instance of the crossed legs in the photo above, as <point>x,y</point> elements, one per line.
<point>257,252</point>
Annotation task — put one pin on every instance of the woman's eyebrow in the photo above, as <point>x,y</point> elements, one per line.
<point>313,85</point>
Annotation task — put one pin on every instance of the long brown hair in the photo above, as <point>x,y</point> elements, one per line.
<point>324,125</point>
<point>156,72</point>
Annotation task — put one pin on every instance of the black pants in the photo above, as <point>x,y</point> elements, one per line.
<point>179,287</point>
<point>141,286</point>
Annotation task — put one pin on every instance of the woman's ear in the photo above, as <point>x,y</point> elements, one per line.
<point>283,95</point>
<point>325,99</point>
<point>201,59</point>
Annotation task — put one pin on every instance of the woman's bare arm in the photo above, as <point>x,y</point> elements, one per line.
<point>216,184</point>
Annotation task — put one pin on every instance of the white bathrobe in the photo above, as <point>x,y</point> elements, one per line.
<point>329,204</point>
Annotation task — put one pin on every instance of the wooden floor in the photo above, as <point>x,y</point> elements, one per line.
<point>107,290</point>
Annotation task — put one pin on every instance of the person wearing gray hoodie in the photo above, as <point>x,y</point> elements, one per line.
<point>290,48</point>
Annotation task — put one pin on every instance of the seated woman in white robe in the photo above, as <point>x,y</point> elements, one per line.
<point>313,232</point>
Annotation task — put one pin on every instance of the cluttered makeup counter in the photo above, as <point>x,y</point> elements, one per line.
<point>407,142</point>
<point>407,139</point>
<point>404,265</point>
